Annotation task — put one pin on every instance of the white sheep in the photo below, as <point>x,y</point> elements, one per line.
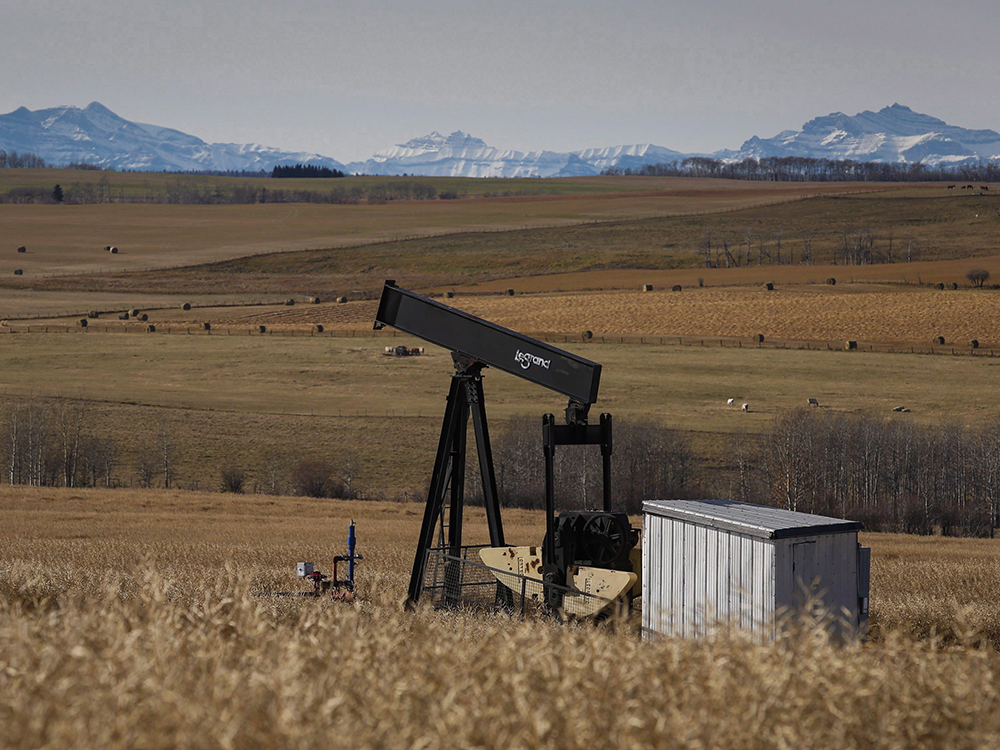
<point>731,401</point>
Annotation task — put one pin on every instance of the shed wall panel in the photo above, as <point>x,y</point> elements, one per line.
<point>695,576</point>
<point>676,600</point>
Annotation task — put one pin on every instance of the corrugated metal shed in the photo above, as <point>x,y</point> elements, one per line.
<point>710,562</point>
<point>753,520</point>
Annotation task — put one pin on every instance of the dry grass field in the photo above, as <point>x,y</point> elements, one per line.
<point>816,312</point>
<point>251,400</point>
<point>864,313</point>
<point>942,237</point>
<point>888,275</point>
<point>70,239</point>
<point>128,619</point>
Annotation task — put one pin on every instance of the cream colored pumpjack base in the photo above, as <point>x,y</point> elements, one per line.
<point>601,583</point>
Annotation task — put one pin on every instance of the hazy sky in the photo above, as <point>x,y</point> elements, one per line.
<point>348,78</point>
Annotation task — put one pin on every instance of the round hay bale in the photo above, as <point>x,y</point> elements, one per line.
<point>114,251</point>
<point>123,316</point>
<point>22,249</point>
<point>144,317</point>
<point>93,314</point>
<point>831,281</point>
<point>289,302</point>
<point>82,322</point>
<point>759,338</point>
<point>449,295</point>
<point>588,335</point>
<point>107,248</point>
<point>939,340</point>
<point>318,328</point>
<point>676,288</point>
<point>974,343</point>
<point>769,286</point>
<point>151,328</point>
<point>206,326</point>
<point>186,306</point>
<point>314,300</point>
<point>851,345</point>
<point>261,329</point>
<point>953,286</point>
<point>939,285</point>
<point>134,312</point>
<point>341,300</point>
<point>18,272</point>
<point>647,287</point>
<point>509,292</point>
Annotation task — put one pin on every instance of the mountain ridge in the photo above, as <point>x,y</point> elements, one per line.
<point>97,135</point>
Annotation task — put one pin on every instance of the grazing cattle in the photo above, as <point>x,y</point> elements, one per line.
<point>969,187</point>
<point>951,187</point>
<point>746,407</point>
<point>984,187</point>
<point>813,402</point>
<point>730,401</point>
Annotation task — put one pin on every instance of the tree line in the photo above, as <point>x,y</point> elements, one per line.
<point>14,160</point>
<point>650,462</point>
<point>304,170</point>
<point>810,169</point>
<point>54,444</point>
<point>186,191</point>
<point>892,475</point>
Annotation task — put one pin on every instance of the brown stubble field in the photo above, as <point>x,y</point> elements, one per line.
<point>868,313</point>
<point>131,619</point>
<point>931,238</point>
<point>66,239</point>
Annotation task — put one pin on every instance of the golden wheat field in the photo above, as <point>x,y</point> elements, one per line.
<point>129,619</point>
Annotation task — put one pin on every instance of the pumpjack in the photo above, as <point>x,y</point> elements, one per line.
<point>591,551</point>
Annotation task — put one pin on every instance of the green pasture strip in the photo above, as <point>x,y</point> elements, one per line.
<point>682,386</point>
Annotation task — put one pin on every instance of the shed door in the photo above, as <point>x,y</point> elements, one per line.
<point>804,581</point>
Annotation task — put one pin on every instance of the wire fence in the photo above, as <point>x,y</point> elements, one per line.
<point>318,331</point>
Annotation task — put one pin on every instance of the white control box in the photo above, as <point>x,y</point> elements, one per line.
<point>304,568</point>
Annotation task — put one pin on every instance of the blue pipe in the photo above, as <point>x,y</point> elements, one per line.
<point>351,541</point>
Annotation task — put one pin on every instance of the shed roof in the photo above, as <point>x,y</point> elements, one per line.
<point>754,520</point>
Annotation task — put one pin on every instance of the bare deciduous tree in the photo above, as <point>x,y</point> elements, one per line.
<point>978,277</point>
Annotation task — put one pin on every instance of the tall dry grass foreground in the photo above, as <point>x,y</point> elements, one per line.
<point>105,660</point>
<point>128,619</point>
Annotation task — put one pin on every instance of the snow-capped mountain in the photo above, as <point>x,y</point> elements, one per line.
<point>96,135</point>
<point>893,134</point>
<point>462,155</point>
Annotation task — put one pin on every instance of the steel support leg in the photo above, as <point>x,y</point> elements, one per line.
<point>439,485</point>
